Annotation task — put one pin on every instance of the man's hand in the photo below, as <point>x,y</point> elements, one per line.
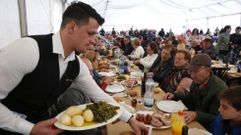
<point>168,96</point>
<point>190,116</point>
<point>45,128</point>
<point>138,127</point>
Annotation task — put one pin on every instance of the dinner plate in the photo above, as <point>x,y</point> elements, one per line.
<point>107,74</point>
<point>72,128</point>
<point>147,125</point>
<point>136,74</point>
<point>114,88</point>
<point>127,107</point>
<point>126,83</point>
<point>170,106</point>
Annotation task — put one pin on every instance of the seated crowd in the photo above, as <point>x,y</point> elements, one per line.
<point>185,75</point>
<point>41,75</point>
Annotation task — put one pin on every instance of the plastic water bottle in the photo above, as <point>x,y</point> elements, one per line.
<point>117,53</point>
<point>122,65</point>
<point>126,70</point>
<point>149,94</point>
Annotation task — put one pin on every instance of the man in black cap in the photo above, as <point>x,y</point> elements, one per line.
<point>202,100</point>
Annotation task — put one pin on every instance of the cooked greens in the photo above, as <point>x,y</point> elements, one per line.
<point>102,111</point>
<point>121,78</point>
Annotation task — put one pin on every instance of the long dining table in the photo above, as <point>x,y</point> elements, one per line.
<point>119,127</point>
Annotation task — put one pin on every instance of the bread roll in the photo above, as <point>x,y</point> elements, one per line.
<point>75,110</point>
<point>65,119</point>
<point>77,120</point>
<point>132,93</point>
<point>88,115</point>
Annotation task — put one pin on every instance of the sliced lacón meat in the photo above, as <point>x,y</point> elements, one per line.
<point>156,122</point>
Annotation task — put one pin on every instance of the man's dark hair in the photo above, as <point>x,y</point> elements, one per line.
<point>171,48</point>
<point>80,13</point>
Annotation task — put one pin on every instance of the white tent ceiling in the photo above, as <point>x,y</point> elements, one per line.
<point>44,16</point>
<point>164,13</point>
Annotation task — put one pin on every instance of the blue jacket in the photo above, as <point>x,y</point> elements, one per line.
<point>221,126</point>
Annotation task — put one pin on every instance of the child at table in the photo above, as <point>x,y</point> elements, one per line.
<point>229,120</point>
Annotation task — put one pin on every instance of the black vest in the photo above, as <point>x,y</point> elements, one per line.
<point>39,89</point>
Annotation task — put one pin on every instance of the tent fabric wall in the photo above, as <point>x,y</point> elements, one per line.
<point>43,16</point>
<point>9,22</point>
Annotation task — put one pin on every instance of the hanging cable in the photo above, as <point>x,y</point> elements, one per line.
<point>106,6</point>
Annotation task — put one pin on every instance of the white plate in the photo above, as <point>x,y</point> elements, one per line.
<point>120,95</point>
<point>125,83</point>
<point>127,107</point>
<point>136,74</point>
<point>107,74</point>
<point>196,131</point>
<point>170,106</point>
<point>72,128</point>
<point>115,88</point>
<point>150,112</point>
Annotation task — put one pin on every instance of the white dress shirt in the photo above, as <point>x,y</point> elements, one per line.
<point>20,58</point>
<point>148,61</point>
<point>137,53</point>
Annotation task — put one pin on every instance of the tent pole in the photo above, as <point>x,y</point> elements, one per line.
<point>240,19</point>
<point>207,23</point>
<point>23,18</point>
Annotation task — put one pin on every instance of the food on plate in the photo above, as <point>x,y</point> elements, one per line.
<point>166,121</point>
<point>84,115</point>
<point>132,93</point>
<point>65,119</point>
<point>102,111</point>
<point>88,115</point>
<point>75,110</point>
<point>77,120</point>
<point>103,66</point>
<point>157,120</point>
<point>120,78</point>
<point>130,83</point>
<point>144,118</point>
<point>104,59</point>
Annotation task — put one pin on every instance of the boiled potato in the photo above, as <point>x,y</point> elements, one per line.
<point>65,119</point>
<point>77,120</point>
<point>88,115</point>
<point>75,110</point>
